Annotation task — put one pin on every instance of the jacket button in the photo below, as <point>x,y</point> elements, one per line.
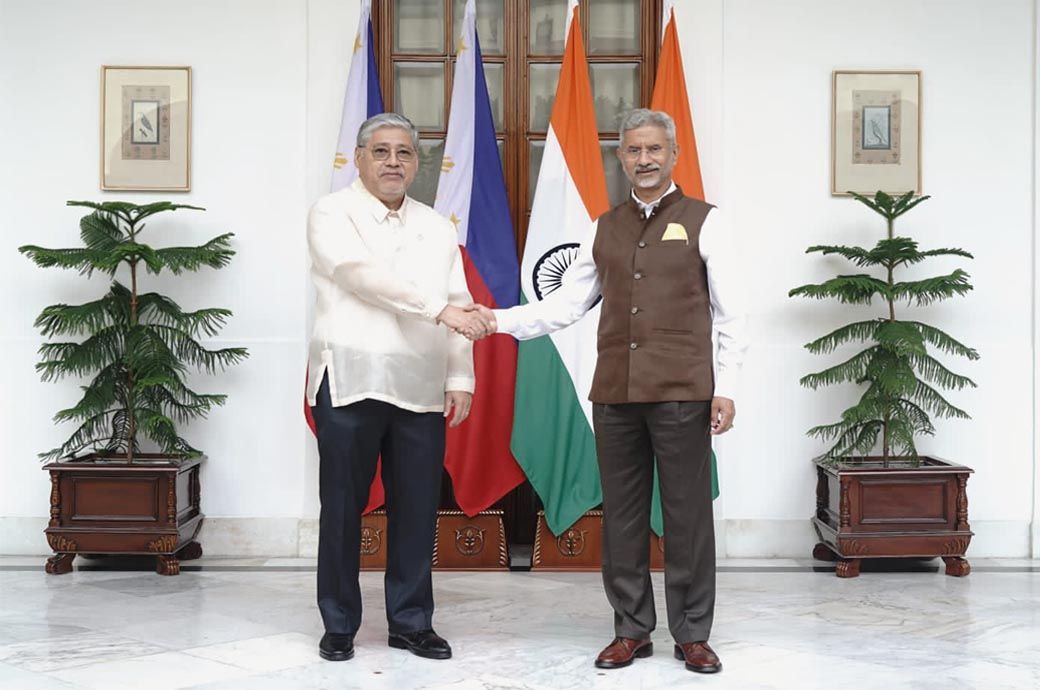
<point>642,244</point>
<point>635,310</point>
<point>633,346</point>
<point>637,276</point>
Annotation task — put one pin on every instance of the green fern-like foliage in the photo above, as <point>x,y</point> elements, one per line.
<point>902,379</point>
<point>135,346</point>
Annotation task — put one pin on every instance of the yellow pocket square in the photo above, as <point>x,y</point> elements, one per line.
<point>675,231</point>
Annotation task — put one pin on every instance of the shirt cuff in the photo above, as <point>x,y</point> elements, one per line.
<point>466,384</point>
<point>505,320</point>
<point>434,308</point>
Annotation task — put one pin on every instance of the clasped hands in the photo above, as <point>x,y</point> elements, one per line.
<point>475,321</point>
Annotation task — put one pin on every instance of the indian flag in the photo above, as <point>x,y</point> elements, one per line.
<point>671,97</point>
<point>552,430</point>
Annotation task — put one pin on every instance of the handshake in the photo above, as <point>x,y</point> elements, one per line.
<point>475,321</point>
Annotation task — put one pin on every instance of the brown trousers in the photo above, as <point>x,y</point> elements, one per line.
<point>629,436</point>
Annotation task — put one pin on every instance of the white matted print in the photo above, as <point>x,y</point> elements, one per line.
<point>146,128</point>
<point>876,132</point>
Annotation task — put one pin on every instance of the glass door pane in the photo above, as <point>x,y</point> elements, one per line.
<point>494,73</point>
<point>535,150</point>
<point>418,26</point>
<point>614,27</point>
<point>618,187</point>
<point>419,93</point>
<point>547,25</point>
<point>424,188</point>
<point>615,89</point>
<point>542,79</point>
<point>490,24</point>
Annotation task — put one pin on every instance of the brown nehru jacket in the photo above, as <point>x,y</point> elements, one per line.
<point>655,324</point>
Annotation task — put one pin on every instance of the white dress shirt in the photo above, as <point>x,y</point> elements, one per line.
<point>581,288</point>
<point>382,278</point>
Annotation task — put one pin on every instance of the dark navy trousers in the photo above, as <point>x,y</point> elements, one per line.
<point>351,439</point>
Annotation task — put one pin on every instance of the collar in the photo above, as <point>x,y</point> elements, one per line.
<point>379,210</point>
<point>644,208</point>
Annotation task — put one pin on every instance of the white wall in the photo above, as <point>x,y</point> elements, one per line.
<point>249,60</point>
<point>268,85</point>
<point>977,63</point>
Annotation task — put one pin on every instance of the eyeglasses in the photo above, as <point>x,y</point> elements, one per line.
<point>382,153</point>
<point>654,151</point>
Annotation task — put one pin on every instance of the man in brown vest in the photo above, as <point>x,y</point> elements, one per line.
<point>660,391</point>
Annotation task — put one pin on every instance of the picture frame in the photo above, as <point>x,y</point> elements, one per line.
<point>875,131</point>
<point>145,128</point>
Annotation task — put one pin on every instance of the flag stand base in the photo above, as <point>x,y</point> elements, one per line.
<point>470,543</point>
<point>373,540</point>
<point>579,547</point>
<point>460,542</point>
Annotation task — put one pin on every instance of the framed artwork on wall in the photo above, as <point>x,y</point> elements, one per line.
<point>146,128</point>
<point>875,132</point>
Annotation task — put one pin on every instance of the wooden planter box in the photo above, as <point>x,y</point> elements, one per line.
<point>104,505</point>
<point>579,548</point>
<point>866,510</point>
<point>461,543</point>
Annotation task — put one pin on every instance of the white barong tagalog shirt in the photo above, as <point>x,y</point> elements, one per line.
<point>382,278</point>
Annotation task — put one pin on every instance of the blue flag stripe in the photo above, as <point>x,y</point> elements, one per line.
<point>375,96</point>
<point>490,242</point>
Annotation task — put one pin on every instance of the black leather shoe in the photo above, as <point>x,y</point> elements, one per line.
<point>335,647</point>
<point>424,643</point>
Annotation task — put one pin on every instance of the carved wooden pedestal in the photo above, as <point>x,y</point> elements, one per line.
<point>461,543</point>
<point>373,541</point>
<point>470,543</point>
<point>108,506</point>
<point>580,546</point>
<point>866,510</point>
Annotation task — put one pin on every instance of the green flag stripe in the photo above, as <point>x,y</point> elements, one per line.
<point>657,517</point>
<point>552,440</point>
<point>553,443</point>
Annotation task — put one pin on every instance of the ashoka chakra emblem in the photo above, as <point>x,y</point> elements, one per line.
<point>549,270</point>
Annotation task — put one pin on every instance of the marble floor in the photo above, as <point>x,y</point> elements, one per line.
<point>252,625</point>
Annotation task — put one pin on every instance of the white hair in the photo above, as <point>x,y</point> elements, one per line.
<point>369,126</point>
<point>641,117</point>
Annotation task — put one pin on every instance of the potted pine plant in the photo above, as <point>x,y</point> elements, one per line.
<point>876,497</point>
<point>125,481</point>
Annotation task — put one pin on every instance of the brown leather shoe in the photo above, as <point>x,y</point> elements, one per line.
<point>699,657</point>
<point>622,651</point>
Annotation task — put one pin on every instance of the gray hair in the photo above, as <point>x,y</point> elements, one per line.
<point>641,117</point>
<point>369,126</point>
